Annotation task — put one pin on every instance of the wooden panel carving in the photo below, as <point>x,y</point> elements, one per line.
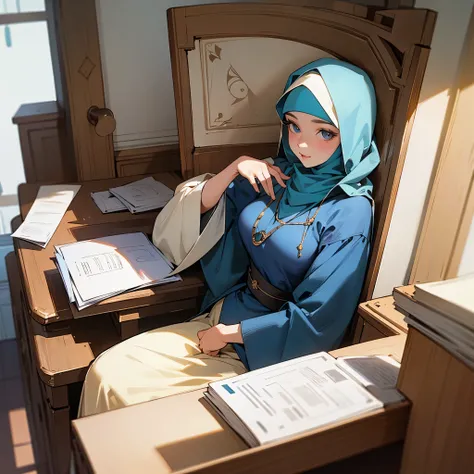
<point>392,46</point>
<point>148,160</point>
<point>235,83</point>
<point>42,138</point>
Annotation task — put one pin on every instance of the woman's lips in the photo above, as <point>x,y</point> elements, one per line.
<point>304,156</point>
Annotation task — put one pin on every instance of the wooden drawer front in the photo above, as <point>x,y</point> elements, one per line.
<point>365,331</point>
<point>370,333</point>
<point>31,384</point>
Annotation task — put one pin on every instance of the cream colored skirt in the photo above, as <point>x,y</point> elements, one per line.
<point>162,362</point>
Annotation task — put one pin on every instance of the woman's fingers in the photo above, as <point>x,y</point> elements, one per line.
<point>280,172</point>
<point>266,181</point>
<point>254,170</point>
<point>277,176</point>
<point>251,179</point>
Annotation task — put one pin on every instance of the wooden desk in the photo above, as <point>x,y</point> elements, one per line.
<point>183,434</point>
<point>44,289</point>
<point>378,318</point>
<point>57,343</point>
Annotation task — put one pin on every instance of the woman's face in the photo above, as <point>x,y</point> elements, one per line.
<point>311,139</point>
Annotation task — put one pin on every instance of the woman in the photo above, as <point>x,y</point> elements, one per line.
<point>284,265</point>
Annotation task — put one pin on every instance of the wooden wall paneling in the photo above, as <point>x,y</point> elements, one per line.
<point>147,160</point>
<point>78,71</point>
<point>392,46</point>
<point>213,159</point>
<point>182,87</point>
<point>355,7</point>
<point>42,138</point>
<point>450,207</point>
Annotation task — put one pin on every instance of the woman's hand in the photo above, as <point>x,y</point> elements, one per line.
<point>212,340</point>
<point>254,169</point>
<point>250,168</point>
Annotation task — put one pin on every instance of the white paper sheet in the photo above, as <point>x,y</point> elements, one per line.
<point>63,271</point>
<point>107,202</point>
<point>288,398</point>
<point>46,213</point>
<point>97,269</point>
<point>378,374</point>
<point>143,195</point>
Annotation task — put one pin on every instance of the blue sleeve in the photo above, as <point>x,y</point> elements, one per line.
<point>324,303</point>
<point>227,262</point>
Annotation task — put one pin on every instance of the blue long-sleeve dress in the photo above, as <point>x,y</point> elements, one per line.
<point>325,281</point>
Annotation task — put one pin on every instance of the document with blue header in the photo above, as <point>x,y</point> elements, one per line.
<point>303,394</point>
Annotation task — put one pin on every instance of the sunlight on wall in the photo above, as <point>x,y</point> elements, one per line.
<point>440,76</point>
<point>467,261</point>
<point>423,145</point>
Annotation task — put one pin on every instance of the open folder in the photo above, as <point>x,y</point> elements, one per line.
<point>97,269</point>
<point>298,395</point>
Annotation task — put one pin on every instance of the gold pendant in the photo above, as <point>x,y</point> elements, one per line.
<point>300,249</point>
<point>259,238</point>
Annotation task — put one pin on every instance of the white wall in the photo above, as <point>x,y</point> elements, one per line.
<point>137,69</point>
<point>451,27</point>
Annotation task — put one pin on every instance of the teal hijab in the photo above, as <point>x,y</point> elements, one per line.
<point>347,170</point>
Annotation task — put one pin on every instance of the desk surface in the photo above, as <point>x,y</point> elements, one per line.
<point>44,288</point>
<point>178,433</point>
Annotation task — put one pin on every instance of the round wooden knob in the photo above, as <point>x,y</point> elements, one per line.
<point>102,119</point>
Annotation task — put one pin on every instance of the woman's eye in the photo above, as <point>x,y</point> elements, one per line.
<point>294,128</point>
<point>327,135</point>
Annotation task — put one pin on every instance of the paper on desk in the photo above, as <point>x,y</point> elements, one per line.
<point>377,373</point>
<point>46,213</point>
<point>143,195</point>
<point>107,202</point>
<point>291,397</point>
<point>97,269</point>
<point>63,271</point>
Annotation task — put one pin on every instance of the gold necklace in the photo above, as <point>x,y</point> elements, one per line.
<point>258,237</point>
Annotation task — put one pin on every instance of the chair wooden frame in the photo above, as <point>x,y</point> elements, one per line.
<point>392,46</point>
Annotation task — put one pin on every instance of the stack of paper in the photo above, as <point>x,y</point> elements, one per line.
<point>302,394</point>
<point>46,213</point>
<point>140,196</point>
<point>97,269</point>
<point>107,202</point>
<point>443,311</point>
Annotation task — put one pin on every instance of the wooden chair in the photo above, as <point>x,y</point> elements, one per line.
<point>392,46</point>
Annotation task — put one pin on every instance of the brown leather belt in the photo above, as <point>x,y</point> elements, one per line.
<point>264,292</point>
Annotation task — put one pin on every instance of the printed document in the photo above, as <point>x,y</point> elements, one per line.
<point>143,195</point>
<point>107,202</point>
<point>97,269</point>
<point>291,397</point>
<point>377,373</point>
<point>46,213</point>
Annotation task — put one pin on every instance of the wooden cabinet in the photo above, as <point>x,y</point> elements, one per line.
<point>378,318</point>
<point>440,435</point>
<point>42,133</point>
